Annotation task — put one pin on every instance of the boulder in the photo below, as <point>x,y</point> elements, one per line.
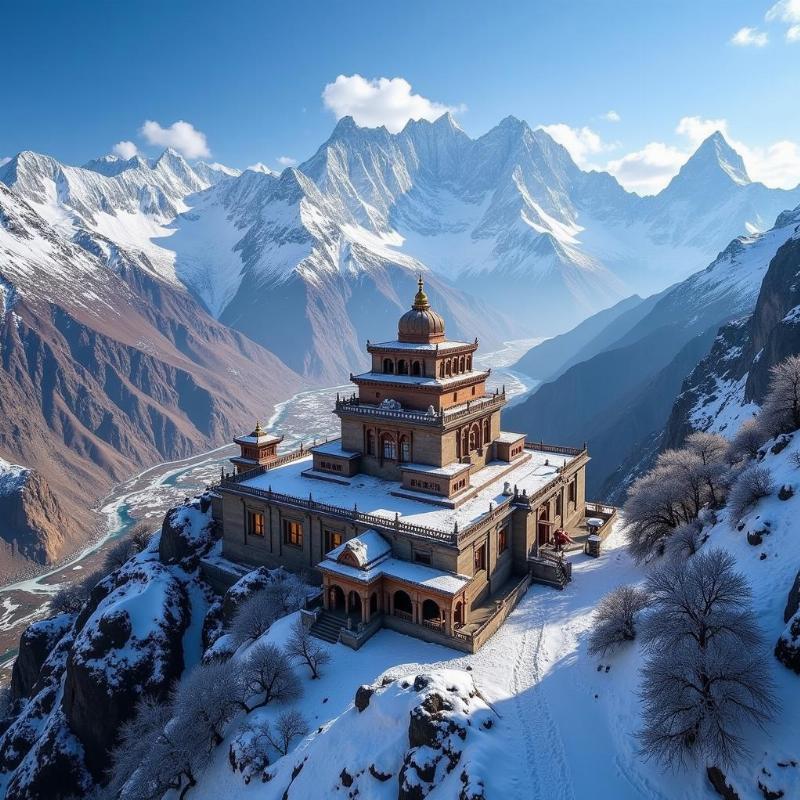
<point>35,644</point>
<point>187,533</point>
<point>363,694</point>
<point>787,648</point>
<point>720,783</point>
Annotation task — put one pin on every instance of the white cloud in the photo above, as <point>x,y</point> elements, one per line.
<point>784,11</point>
<point>611,116</point>
<point>793,34</point>
<point>582,143</point>
<point>749,37</point>
<point>381,101</point>
<point>125,149</point>
<point>4,160</point>
<point>650,169</point>
<point>260,167</point>
<point>181,136</point>
<point>286,161</point>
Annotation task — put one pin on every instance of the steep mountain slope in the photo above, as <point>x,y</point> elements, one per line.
<point>106,368</point>
<point>620,398</point>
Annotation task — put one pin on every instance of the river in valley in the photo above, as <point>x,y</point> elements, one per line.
<point>144,498</point>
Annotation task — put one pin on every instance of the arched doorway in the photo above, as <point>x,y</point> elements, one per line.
<point>373,603</point>
<point>416,369</point>
<point>431,612</point>
<point>402,605</point>
<point>458,617</point>
<point>354,604</point>
<point>336,598</point>
<point>402,367</point>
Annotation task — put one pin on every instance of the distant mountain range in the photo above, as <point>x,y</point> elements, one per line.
<point>153,307</point>
<point>513,236</point>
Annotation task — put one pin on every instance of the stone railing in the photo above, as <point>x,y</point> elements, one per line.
<point>556,449</point>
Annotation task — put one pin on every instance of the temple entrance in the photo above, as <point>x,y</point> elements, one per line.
<point>336,599</point>
<point>402,606</point>
<point>543,525</point>
<point>354,604</point>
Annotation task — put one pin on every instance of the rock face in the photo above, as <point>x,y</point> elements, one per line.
<point>433,726</point>
<point>35,645</point>
<point>79,677</point>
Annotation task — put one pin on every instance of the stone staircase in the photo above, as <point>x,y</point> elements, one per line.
<point>327,627</point>
<point>550,570</point>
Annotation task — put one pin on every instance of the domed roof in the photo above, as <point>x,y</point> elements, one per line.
<point>421,325</point>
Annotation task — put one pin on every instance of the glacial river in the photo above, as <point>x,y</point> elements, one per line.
<point>144,498</point>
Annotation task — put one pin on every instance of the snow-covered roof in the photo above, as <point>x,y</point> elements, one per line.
<point>417,380</point>
<point>366,548</point>
<point>408,571</point>
<point>334,448</point>
<point>373,495</point>
<point>506,437</point>
<point>441,346</point>
<point>266,438</point>
<point>447,471</point>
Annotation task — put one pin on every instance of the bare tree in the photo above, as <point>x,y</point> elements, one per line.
<point>705,679</point>
<point>753,483</point>
<point>685,540</point>
<point>255,616</point>
<point>126,548</point>
<point>266,672</point>
<point>301,644</point>
<point>748,440</point>
<point>249,750</point>
<point>615,618</point>
<point>288,727</point>
<point>69,599</point>
<point>780,412</point>
<point>210,697</point>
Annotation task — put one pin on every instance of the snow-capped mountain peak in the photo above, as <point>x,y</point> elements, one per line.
<point>714,163</point>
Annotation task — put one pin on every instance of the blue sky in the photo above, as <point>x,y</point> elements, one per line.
<point>249,77</point>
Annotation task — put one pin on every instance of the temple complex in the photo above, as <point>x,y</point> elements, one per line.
<point>424,516</point>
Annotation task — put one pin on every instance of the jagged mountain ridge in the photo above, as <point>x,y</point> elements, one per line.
<point>619,399</point>
<point>507,217</point>
<point>106,368</point>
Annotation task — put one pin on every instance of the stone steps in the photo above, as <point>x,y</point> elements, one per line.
<point>327,627</point>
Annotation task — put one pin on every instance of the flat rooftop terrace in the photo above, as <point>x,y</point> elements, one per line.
<point>532,471</point>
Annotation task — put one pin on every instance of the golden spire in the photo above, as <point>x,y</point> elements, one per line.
<point>259,431</point>
<point>421,299</point>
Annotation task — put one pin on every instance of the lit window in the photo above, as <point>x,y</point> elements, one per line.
<point>255,523</point>
<point>292,533</point>
<point>389,449</point>
<point>502,541</point>
<point>332,540</point>
<point>480,558</point>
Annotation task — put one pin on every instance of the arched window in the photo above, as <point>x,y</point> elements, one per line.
<point>469,363</point>
<point>402,604</point>
<point>416,368</point>
<point>370,443</point>
<point>455,366</point>
<point>474,437</point>
<point>388,366</point>
<point>430,611</point>
<point>441,369</point>
<point>486,435</point>
<point>389,447</point>
<point>449,368</point>
<point>462,364</point>
<point>405,448</point>
<point>402,367</point>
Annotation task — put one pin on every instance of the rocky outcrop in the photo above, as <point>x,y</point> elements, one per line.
<point>793,600</point>
<point>185,536</point>
<point>787,648</point>
<point>35,645</point>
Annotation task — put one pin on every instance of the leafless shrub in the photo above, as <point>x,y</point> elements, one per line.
<point>126,548</point>
<point>753,483</point>
<point>255,616</point>
<point>289,726</point>
<point>747,441</point>
<point>706,677</point>
<point>301,644</point>
<point>685,541</point>
<point>249,750</point>
<point>614,621</point>
<point>780,412</point>
<point>266,672</point>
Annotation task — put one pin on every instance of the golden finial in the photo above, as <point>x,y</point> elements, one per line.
<point>259,431</point>
<point>421,299</point>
